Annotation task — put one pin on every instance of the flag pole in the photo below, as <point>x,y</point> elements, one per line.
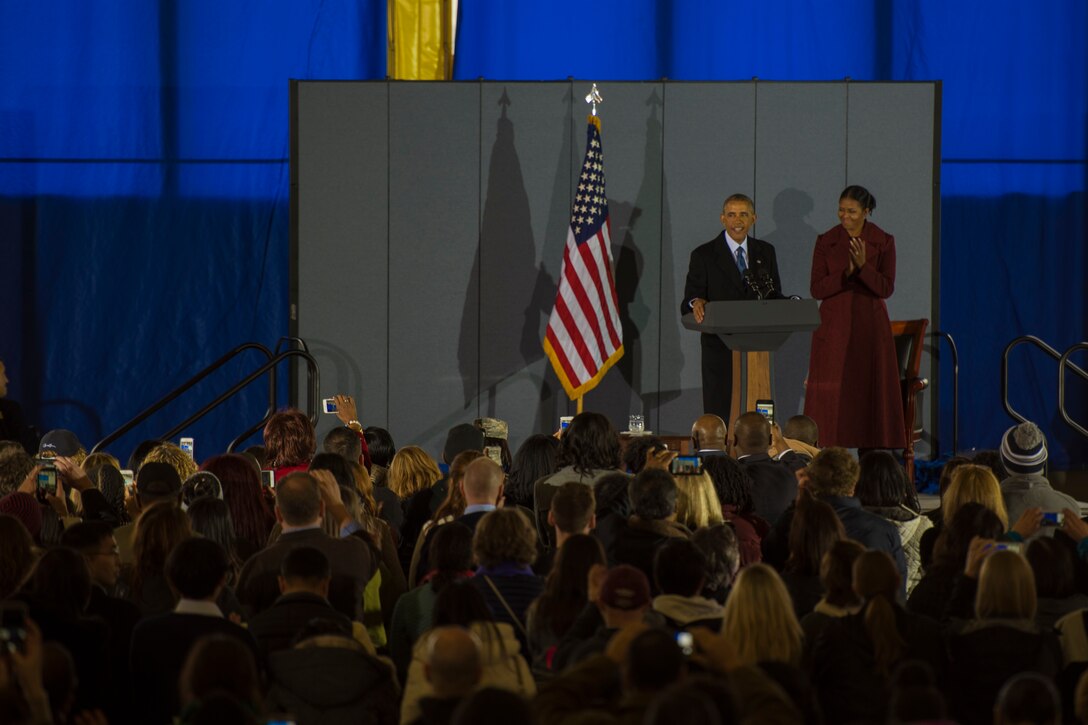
<point>593,99</point>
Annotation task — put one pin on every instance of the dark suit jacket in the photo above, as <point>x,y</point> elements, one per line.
<point>775,485</point>
<point>352,568</point>
<point>160,645</point>
<point>275,628</point>
<point>713,273</point>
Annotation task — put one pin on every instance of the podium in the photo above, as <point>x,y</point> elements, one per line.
<point>753,329</point>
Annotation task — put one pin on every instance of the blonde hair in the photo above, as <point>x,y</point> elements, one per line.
<point>101,458</point>
<point>364,486</point>
<point>411,470</point>
<point>972,483</point>
<point>697,504</point>
<point>173,456</point>
<point>1006,588</point>
<point>759,618</point>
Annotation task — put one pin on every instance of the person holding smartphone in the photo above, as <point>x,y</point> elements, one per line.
<point>853,390</point>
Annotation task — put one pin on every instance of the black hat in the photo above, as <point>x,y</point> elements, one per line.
<point>461,438</point>
<point>60,443</point>
<point>158,479</point>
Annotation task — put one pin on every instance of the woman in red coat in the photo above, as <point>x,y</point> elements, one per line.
<point>853,390</point>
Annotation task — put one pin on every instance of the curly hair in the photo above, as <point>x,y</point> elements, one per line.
<point>14,467</point>
<point>590,443</point>
<point>289,439</point>
<point>504,536</point>
<point>731,482</point>
<point>173,456</point>
<point>833,472</point>
<point>411,470</point>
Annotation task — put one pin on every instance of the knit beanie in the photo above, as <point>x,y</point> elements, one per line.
<point>24,507</point>
<point>1023,449</point>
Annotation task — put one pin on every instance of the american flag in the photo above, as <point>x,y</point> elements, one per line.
<point>584,334</point>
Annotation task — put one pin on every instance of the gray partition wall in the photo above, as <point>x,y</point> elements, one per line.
<point>429,222</point>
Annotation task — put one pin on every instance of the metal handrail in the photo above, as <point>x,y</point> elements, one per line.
<point>955,387</point>
<point>187,385</point>
<point>1063,363</point>
<point>313,380</point>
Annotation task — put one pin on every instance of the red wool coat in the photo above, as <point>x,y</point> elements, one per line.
<point>853,392</point>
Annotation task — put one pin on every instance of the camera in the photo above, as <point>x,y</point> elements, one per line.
<point>329,405</point>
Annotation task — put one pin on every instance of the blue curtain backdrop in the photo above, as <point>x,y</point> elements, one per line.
<point>144,184</point>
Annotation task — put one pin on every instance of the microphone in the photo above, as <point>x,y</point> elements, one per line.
<point>765,287</point>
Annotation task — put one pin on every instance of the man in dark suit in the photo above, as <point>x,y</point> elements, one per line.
<point>300,508</point>
<point>716,272</point>
<point>774,482</point>
<point>197,571</point>
<point>305,575</point>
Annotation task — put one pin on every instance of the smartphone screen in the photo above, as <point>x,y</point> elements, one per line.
<point>186,444</point>
<point>47,480</point>
<point>268,479</point>
<point>12,625</point>
<point>686,465</point>
<point>564,422</point>
<point>766,409</point>
<point>329,405</point>
<point>1053,518</point>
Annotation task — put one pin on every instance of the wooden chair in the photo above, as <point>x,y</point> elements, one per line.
<point>909,336</point>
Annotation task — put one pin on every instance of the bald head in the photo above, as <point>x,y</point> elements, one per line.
<point>482,482</point>
<point>752,434</point>
<point>452,663</point>
<point>708,433</point>
<point>802,428</point>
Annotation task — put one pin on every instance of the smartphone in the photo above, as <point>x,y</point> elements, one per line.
<point>686,643</point>
<point>129,478</point>
<point>564,422</point>
<point>186,445</point>
<point>686,465</point>
<point>1053,518</point>
<point>47,480</point>
<point>766,409</point>
<point>268,479</point>
<point>1007,546</point>
<point>12,625</point>
<point>329,405</point>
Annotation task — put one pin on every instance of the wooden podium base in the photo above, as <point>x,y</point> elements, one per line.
<point>751,382</point>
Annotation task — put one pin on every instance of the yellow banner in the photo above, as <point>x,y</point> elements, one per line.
<point>420,40</point>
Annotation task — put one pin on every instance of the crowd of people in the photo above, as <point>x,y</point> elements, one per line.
<point>578,578</point>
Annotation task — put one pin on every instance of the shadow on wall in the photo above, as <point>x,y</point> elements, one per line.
<point>790,210</point>
<point>648,217</point>
<point>508,288</point>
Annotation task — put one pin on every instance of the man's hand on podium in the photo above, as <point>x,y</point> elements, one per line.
<point>698,308</point>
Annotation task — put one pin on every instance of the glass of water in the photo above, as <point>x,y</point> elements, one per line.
<point>636,423</point>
